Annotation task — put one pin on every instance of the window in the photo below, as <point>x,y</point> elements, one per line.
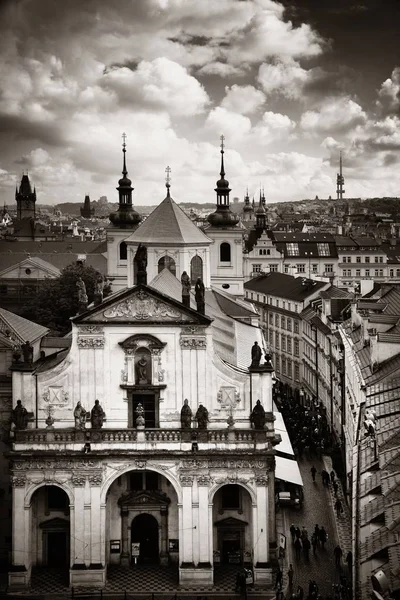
<point>344,273</point>
<point>366,272</point>
<point>323,249</point>
<point>296,308</point>
<point>358,259</point>
<point>376,258</point>
<point>273,268</point>
<point>289,345</point>
<point>376,273</point>
<point>225,252</point>
<point>268,252</point>
<point>296,327</point>
<point>366,259</point>
<point>166,262</point>
<point>344,259</point>
<point>277,302</point>
<point>301,268</point>
<point>123,251</point>
<point>271,319</point>
<point>297,372</point>
<point>283,365</point>
<point>230,497</point>
<point>296,348</point>
<point>358,272</point>
<point>314,268</point>
<point>329,268</point>
<point>289,306</point>
<point>381,259</point>
<point>292,249</point>
<point>380,272</point>
<point>283,322</point>
<point>286,269</point>
<point>397,272</point>
<point>284,305</point>
<point>277,364</point>
<point>196,268</point>
<point>277,340</point>
<point>289,368</point>
<point>391,272</point>
<point>276,321</point>
<point>289,324</point>
<point>257,268</point>
<point>283,342</point>
<point>261,252</point>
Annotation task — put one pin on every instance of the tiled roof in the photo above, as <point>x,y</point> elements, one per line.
<point>168,224</point>
<point>335,292</point>
<point>62,246</point>
<point>372,510</point>
<point>309,315</point>
<point>55,342</point>
<point>285,286</point>
<point>376,542</point>
<point>289,236</point>
<point>52,361</point>
<point>232,308</point>
<point>24,330</point>
<point>371,483</point>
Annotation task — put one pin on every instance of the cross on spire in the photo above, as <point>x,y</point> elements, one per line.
<point>124,136</point>
<point>168,178</point>
<point>222,138</point>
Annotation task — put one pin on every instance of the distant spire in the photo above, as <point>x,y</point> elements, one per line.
<point>340,179</point>
<point>168,180</point>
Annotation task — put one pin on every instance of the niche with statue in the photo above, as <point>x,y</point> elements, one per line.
<point>143,367</point>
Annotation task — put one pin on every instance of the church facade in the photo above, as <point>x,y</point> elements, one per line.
<point>151,439</point>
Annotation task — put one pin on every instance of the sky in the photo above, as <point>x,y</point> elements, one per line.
<point>288,83</point>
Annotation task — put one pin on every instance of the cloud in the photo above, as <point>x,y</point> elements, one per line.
<point>335,115</point>
<point>272,127</point>
<point>35,158</point>
<point>233,125</point>
<point>161,84</point>
<point>244,99</point>
<point>389,94</point>
<point>285,78</point>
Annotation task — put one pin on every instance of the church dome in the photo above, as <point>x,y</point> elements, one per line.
<point>124,182</point>
<point>223,218</point>
<point>125,218</point>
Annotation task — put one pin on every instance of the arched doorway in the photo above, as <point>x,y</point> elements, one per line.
<point>166,262</point>
<point>144,531</point>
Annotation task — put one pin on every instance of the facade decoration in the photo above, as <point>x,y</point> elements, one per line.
<point>55,395</point>
<point>228,396</point>
<point>91,342</point>
<point>143,307</point>
<point>193,337</point>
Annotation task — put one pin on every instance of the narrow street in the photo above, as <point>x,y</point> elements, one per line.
<point>317,509</point>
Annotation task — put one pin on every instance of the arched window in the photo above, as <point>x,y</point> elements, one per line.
<point>196,268</point>
<point>123,251</point>
<point>166,262</point>
<point>225,252</point>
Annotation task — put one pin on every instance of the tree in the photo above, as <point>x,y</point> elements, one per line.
<point>57,299</point>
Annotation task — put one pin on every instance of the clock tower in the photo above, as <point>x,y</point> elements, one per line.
<point>26,199</point>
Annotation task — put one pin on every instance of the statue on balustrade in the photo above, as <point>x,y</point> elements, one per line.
<point>27,352</point>
<point>80,416</point>
<point>186,285</point>
<point>140,261</point>
<point>97,415</point>
<point>255,355</point>
<point>186,415</point>
<point>199,292</point>
<point>139,415</point>
<point>257,417</point>
<point>202,417</point>
<point>98,290</point>
<point>82,295</point>
<point>19,416</point>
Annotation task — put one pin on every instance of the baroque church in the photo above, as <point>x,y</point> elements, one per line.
<point>151,439</point>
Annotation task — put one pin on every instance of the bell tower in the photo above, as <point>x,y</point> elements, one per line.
<point>26,199</point>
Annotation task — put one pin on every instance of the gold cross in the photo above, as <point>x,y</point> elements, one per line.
<point>124,136</point>
<point>168,178</point>
<point>222,138</point>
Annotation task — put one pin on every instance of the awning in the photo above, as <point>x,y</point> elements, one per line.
<point>285,446</point>
<point>287,470</point>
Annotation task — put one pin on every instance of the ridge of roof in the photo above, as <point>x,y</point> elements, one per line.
<point>24,329</point>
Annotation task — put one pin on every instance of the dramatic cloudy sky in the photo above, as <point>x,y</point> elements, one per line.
<point>289,83</point>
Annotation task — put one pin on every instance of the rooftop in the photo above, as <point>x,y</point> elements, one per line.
<point>285,286</point>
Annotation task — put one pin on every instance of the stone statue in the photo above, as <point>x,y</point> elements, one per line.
<point>19,416</point>
<point>82,295</point>
<point>255,355</point>
<point>202,417</point>
<point>17,350</point>
<point>80,416</point>
<point>142,370</point>
<point>199,292</point>
<point>98,290</point>
<point>186,415</point>
<point>27,351</point>
<point>257,417</point>
<point>141,264</point>
<point>186,285</point>
<point>97,415</point>
<point>140,415</point>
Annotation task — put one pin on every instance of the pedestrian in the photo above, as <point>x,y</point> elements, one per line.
<point>323,536</point>
<point>335,487</point>
<point>306,547</point>
<point>338,552</point>
<point>323,476</point>
<point>313,472</point>
<point>332,476</point>
<point>349,561</point>
<point>304,533</point>
<point>297,547</point>
<point>314,542</point>
<point>290,576</point>
<point>298,532</point>
<point>279,579</point>
<point>338,507</point>
<point>316,531</point>
<point>299,593</point>
<point>293,532</point>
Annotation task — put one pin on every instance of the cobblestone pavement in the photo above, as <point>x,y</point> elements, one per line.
<point>317,509</point>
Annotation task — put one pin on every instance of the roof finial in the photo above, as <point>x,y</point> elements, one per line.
<point>124,136</point>
<point>168,179</point>
<point>222,138</point>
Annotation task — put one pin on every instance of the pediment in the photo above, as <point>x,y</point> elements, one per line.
<point>42,269</point>
<point>143,305</point>
<point>231,523</point>
<point>144,497</point>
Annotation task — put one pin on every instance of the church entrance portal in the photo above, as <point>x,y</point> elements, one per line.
<point>144,530</point>
<point>57,545</point>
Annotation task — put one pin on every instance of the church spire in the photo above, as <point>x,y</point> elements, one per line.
<point>223,217</point>
<point>126,216</point>
<point>340,179</point>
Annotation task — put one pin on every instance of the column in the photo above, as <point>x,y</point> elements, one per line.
<point>124,536</point>
<point>204,529</point>
<point>78,533</point>
<point>260,529</point>
<point>95,519</point>
<point>164,536</point>
<point>186,522</point>
<point>271,513</point>
<point>20,553</point>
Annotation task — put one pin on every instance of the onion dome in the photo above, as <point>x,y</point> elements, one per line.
<point>223,216</point>
<point>247,206</point>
